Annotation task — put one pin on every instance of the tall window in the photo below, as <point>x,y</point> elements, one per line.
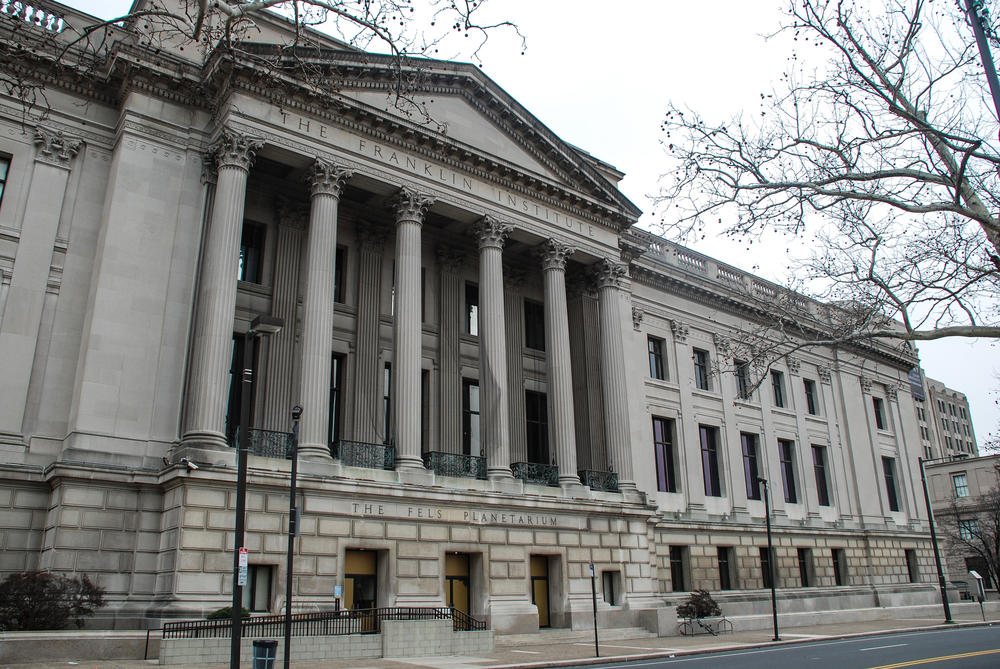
<point>701,369</point>
<point>4,167</point>
<point>742,379</point>
<point>889,469</point>
<point>677,568</point>
<point>819,468</point>
<point>778,388</point>
<point>879,407</point>
<point>968,529</point>
<point>251,252</point>
<point>961,485</point>
<point>471,309</point>
<point>536,414</point>
<point>812,406</point>
<point>663,446</point>
<point>750,466</point>
<point>765,566</point>
<point>534,325</point>
<point>804,566</point>
<point>725,554</point>
<point>710,460</point>
<point>339,272</point>
<point>471,444</point>
<point>656,368</point>
<point>387,404</point>
<point>336,379</point>
<point>839,566</point>
<point>257,591</point>
<point>912,569</point>
<point>785,452</point>
<point>236,368</point>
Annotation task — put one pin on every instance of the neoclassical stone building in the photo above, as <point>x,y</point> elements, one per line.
<point>502,380</point>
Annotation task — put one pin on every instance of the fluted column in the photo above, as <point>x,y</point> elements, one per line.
<point>562,423</point>
<point>495,417</point>
<point>450,264</point>
<point>326,182</point>
<point>367,374</point>
<point>292,218</point>
<point>514,324</point>
<point>617,430</point>
<point>208,385</point>
<point>410,208</point>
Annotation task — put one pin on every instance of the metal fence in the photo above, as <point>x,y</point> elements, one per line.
<point>534,472</point>
<point>360,454</point>
<point>597,480</point>
<point>456,464</point>
<point>267,443</point>
<point>326,623</point>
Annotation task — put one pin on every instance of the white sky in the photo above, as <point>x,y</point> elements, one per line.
<point>600,77</point>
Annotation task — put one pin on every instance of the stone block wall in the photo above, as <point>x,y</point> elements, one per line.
<point>304,649</point>
<point>23,508</point>
<point>430,638</point>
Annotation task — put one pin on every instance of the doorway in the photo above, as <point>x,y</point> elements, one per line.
<point>457,582</point>
<point>540,588</point>
<point>360,580</point>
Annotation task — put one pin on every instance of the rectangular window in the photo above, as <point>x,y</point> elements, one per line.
<point>961,485</point>
<point>742,380</point>
<point>257,591</point>
<point>879,406</point>
<point>333,416</point>
<point>968,530</point>
<point>387,404</point>
<point>765,567</point>
<point>812,406</point>
<point>663,447</point>
<point>778,386</point>
<point>4,168</point>
<point>785,452</point>
<point>656,368</point>
<point>819,468</point>
<point>471,309</point>
<point>944,424</point>
<point>962,411</point>
<point>236,367</point>
<point>710,461</point>
<point>251,252</point>
<point>889,469</point>
<point>471,443</point>
<point>726,579</point>
<point>608,579</point>
<point>339,272</point>
<point>911,565</point>
<point>534,325</point>
<point>839,566</point>
<point>701,369</point>
<point>677,581</point>
<point>805,566</point>
<point>536,413</point>
<point>751,470</point>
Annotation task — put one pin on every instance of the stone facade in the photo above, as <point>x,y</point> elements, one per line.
<point>446,297</point>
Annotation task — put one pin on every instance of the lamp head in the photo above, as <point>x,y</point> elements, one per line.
<point>296,412</point>
<point>266,325</point>
<point>761,479</point>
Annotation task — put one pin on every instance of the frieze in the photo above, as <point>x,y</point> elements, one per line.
<point>452,515</point>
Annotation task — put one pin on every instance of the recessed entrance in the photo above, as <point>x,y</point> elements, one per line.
<point>457,570</point>
<point>540,587</point>
<point>360,580</point>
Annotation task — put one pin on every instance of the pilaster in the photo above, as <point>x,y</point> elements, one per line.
<point>514,326</point>
<point>371,244</point>
<point>450,266</point>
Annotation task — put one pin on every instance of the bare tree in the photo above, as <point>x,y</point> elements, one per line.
<point>880,154</point>
<point>971,526</point>
<point>39,45</point>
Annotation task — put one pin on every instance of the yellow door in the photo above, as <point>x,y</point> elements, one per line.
<point>456,575</point>
<point>540,587</point>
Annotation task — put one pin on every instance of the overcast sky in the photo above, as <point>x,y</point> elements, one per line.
<point>600,75</point>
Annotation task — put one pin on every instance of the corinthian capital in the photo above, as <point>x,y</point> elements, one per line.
<point>607,273</point>
<point>327,178</point>
<point>55,148</point>
<point>554,254</point>
<point>235,150</point>
<point>291,214</point>
<point>491,233</point>
<point>409,205</point>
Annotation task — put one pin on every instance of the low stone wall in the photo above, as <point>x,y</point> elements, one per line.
<point>399,638</point>
<point>76,646</point>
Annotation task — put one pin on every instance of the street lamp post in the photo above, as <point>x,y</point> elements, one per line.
<point>937,552</point>
<point>293,531</point>
<point>770,555</point>
<point>261,326</point>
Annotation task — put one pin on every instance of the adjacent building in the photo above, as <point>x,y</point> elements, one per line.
<point>946,418</point>
<point>503,381</point>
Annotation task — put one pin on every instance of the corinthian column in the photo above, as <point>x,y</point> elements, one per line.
<point>371,245</point>
<point>607,273</point>
<point>208,385</point>
<point>326,182</point>
<point>490,234</point>
<point>560,371</point>
<point>449,353</point>
<point>410,208</point>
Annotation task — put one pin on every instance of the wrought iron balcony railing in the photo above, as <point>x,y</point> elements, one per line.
<point>455,464</point>
<point>266,443</point>
<point>360,454</point>
<point>596,480</point>
<point>534,472</point>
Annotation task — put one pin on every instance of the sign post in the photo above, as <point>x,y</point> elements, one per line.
<point>593,592</point>
<point>243,566</point>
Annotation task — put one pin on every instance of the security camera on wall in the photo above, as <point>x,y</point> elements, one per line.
<point>190,465</point>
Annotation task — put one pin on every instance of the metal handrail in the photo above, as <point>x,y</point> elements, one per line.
<point>267,443</point>
<point>598,480</point>
<point>456,464</point>
<point>362,454</point>
<point>535,472</point>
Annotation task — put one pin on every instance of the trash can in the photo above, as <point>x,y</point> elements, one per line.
<point>265,652</point>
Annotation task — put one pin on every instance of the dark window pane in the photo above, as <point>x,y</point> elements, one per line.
<point>656,369</point>
<point>251,252</point>
<point>664,448</point>
<point>537,421</point>
<point>339,272</point>
<point>471,443</point>
<point>472,309</point>
<point>819,467</point>
<point>811,405</point>
<point>710,461</point>
<point>785,449</point>
<point>750,467</point>
<point>534,325</point>
<point>778,388</point>
<point>889,469</point>
<point>701,369</point>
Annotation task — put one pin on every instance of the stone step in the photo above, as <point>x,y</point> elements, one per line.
<point>559,635</point>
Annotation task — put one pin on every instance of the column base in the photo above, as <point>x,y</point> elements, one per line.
<point>497,473</point>
<point>511,485</point>
<point>205,439</point>
<point>415,476</point>
<point>569,480</point>
<point>408,462</point>
<point>575,489</point>
<point>315,451</point>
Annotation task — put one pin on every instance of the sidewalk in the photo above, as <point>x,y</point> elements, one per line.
<point>557,648</point>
